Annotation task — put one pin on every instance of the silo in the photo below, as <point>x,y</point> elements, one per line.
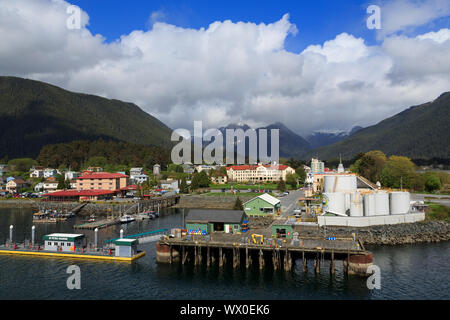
<point>340,183</point>
<point>399,202</point>
<point>347,201</point>
<point>328,183</point>
<point>369,205</point>
<point>381,204</point>
<point>335,203</point>
<point>356,205</point>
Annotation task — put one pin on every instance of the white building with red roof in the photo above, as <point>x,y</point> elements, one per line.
<point>258,173</point>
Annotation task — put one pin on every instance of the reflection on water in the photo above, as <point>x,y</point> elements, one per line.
<point>407,272</point>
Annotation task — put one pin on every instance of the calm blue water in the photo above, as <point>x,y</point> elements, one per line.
<point>407,272</point>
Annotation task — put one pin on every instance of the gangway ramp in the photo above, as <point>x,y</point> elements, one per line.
<point>145,237</point>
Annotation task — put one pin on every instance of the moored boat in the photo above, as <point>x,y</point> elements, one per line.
<point>126,219</point>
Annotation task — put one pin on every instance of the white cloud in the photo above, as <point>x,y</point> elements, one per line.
<point>404,15</point>
<point>227,72</point>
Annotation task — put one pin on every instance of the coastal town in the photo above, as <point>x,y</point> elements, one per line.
<point>261,212</point>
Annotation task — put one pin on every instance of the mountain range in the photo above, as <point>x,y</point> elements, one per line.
<point>34,114</point>
<point>419,132</point>
<point>322,138</point>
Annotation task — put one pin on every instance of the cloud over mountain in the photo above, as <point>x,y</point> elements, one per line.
<point>229,71</point>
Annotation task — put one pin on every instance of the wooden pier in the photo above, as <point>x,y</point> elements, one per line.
<point>278,254</point>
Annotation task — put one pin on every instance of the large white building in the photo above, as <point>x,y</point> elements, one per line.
<point>317,166</point>
<point>259,172</point>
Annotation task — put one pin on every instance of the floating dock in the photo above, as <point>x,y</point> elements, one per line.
<point>97,224</point>
<point>52,254</point>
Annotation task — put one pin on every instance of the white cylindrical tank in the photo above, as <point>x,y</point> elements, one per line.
<point>381,204</point>
<point>335,203</point>
<point>356,205</point>
<point>347,201</point>
<point>399,202</point>
<point>339,183</point>
<point>369,205</point>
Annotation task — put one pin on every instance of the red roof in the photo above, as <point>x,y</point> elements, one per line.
<point>81,193</point>
<point>254,166</point>
<point>103,175</point>
<point>130,187</point>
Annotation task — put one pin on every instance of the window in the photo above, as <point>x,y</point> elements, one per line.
<point>55,243</point>
<point>49,243</point>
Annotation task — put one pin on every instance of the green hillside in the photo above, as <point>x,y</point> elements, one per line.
<point>420,132</point>
<point>34,114</point>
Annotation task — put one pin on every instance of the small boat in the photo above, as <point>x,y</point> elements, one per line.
<point>126,219</point>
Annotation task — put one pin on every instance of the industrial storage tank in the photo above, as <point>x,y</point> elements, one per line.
<point>334,203</point>
<point>399,202</point>
<point>381,204</point>
<point>369,205</point>
<point>356,205</point>
<point>347,202</point>
<point>339,183</point>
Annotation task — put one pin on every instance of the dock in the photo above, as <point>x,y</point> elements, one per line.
<point>91,255</point>
<point>272,252</point>
<point>97,224</point>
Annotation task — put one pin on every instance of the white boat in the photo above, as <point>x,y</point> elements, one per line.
<point>126,218</point>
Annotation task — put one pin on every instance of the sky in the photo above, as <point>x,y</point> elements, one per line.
<point>312,65</point>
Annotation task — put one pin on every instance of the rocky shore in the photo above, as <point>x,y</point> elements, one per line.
<point>406,233</point>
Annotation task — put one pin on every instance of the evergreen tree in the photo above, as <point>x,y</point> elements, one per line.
<point>61,182</point>
<point>183,186</point>
<point>238,204</point>
<point>281,185</point>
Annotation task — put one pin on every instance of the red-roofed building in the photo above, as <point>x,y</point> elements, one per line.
<point>258,173</point>
<point>80,195</point>
<point>102,181</point>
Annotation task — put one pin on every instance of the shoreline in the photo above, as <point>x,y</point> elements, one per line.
<point>428,231</point>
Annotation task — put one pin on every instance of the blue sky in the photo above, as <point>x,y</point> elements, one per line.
<point>317,21</point>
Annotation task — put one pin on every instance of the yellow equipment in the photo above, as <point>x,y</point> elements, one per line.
<point>258,238</point>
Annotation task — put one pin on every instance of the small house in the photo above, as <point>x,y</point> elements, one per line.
<point>262,205</point>
<point>169,184</point>
<point>208,221</point>
<point>282,231</point>
<point>14,185</point>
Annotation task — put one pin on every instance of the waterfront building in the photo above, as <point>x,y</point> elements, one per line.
<point>95,169</point>
<point>258,173</point>
<point>65,242</point>
<point>126,247</point>
<point>208,221</point>
<point>262,205</point>
<point>102,181</point>
<point>80,195</point>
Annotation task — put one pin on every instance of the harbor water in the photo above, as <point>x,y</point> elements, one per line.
<point>407,272</point>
